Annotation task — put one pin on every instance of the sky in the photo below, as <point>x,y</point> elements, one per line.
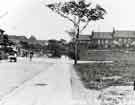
<point>31,17</point>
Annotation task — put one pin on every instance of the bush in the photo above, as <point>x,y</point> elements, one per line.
<point>71,55</point>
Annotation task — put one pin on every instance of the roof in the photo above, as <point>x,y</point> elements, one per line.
<point>1,30</point>
<point>20,38</point>
<point>101,35</point>
<point>84,37</point>
<point>125,34</point>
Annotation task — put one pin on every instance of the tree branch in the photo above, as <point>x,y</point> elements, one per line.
<point>4,14</point>
<point>66,17</point>
<point>84,26</point>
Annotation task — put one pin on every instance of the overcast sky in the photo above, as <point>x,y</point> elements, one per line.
<point>31,17</point>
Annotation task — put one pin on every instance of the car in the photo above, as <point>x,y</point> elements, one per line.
<point>12,56</point>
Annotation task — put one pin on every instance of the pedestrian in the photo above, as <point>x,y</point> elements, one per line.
<point>31,55</point>
<point>26,54</point>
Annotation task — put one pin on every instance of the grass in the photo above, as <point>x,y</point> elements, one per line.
<point>99,76</point>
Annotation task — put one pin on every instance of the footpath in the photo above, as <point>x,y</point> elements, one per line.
<point>51,87</point>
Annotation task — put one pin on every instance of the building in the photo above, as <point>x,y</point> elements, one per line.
<point>124,38</point>
<point>84,40</point>
<point>116,38</point>
<point>101,39</point>
<point>2,52</point>
<point>17,39</point>
<point>43,42</point>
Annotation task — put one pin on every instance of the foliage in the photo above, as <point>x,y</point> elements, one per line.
<point>58,47</point>
<point>54,47</point>
<point>29,46</point>
<point>5,43</point>
<point>78,12</point>
<point>24,44</point>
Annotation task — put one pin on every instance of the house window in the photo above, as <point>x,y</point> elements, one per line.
<point>99,41</point>
<point>102,42</point>
<point>120,39</point>
<point>106,41</point>
<point>125,40</point>
<point>129,40</point>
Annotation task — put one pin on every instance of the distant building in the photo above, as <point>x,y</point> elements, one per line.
<point>116,38</point>
<point>43,42</point>
<point>101,39</point>
<point>2,53</point>
<point>84,40</point>
<point>17,39</point>
<point>124,38</point>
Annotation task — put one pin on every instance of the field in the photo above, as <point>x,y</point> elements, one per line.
<point>101,75</point>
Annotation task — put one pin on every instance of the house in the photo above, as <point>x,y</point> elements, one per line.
<point>101,39</point>
<point>1,31</point>
<point>43,42</point>
<point>124,38</point>
<point>17,39</point>
<point>18,47</point>
<point>84,40</point>
<point>2,52</point>
<point>116,38</point>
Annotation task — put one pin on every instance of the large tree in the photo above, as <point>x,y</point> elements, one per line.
<point>5,43</point>
<point>80,13</point>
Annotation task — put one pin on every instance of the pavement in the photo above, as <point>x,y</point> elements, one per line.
<point>50,87</point>
<point>81,95</point>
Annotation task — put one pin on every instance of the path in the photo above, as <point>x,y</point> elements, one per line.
<point>51,87</point>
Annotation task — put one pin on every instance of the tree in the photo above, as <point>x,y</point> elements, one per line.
<point>54,47</point>
<point>25,45</point>
<point>80,13</point>
<point>5,42</point>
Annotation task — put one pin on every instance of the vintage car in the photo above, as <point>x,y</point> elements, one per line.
<point>12,56</point>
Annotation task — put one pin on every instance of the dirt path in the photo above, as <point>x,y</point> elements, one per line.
<point>81,95</point>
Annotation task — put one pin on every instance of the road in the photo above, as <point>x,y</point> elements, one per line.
<point>12,75</point>
<point>49,84</point>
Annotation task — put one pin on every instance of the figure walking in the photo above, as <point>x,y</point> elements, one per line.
<point>31,55</point>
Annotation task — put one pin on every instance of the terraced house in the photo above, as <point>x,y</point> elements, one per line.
<point>124,38</point>
<point>116,38</point>
<point>101,39</point>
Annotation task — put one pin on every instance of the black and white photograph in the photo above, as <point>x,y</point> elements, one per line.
<point>67,52</point>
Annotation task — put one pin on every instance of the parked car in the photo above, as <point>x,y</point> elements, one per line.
<point>12,56</point>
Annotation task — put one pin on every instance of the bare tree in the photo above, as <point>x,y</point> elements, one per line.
<point>80,13</point>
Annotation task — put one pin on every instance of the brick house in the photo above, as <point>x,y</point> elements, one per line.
<point>101,39</point>
<point>84,40</point>
<point>116,38</point>
<point>124,38</point>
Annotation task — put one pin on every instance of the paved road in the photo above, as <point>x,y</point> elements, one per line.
<point>12,75</point>
<point>50,87</point>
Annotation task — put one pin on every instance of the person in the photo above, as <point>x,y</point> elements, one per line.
<point>26,54</point>
<point>31,55</point>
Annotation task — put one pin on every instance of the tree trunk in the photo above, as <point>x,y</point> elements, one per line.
<point>76,46</point>
<point>76,52</point>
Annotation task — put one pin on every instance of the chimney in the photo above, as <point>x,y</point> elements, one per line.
<point>113,32</point>
<point>92,33</point>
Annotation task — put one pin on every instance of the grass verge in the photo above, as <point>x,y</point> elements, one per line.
<point>99,76</point>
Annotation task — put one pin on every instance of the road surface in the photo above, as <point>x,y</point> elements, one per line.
<point>52,86</point>
<point>12,75</point>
